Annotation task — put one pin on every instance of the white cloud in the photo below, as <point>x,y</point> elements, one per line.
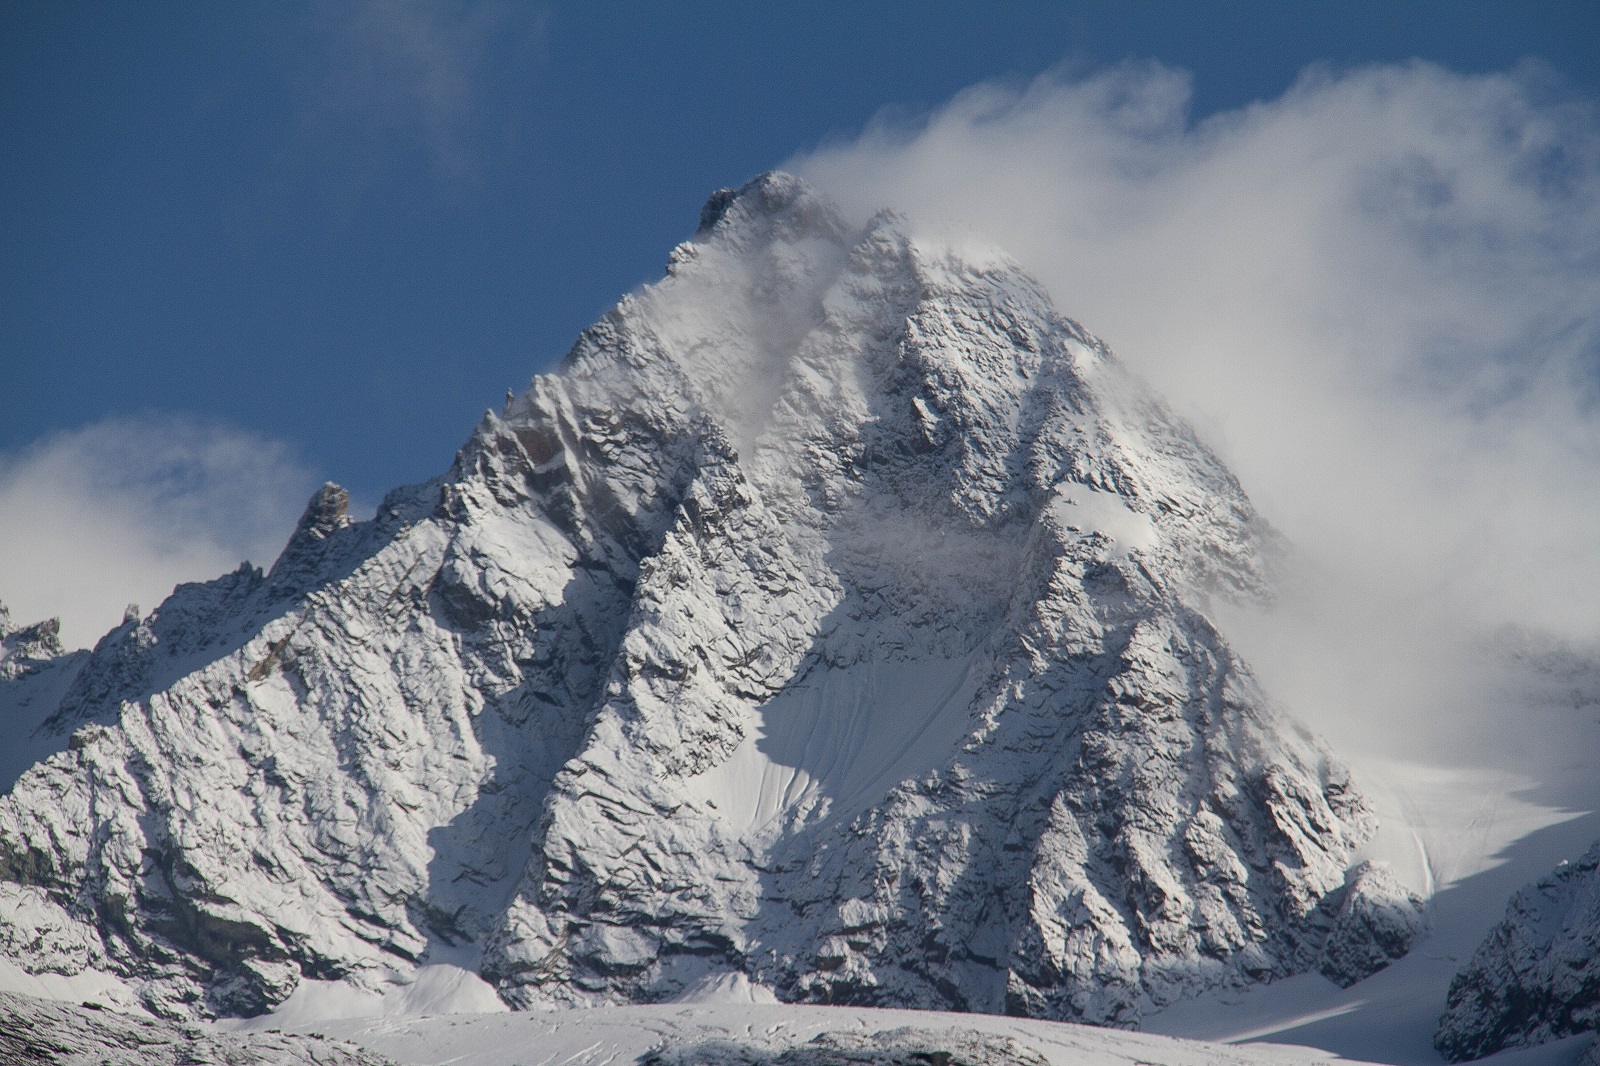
<point>120,511</point>
<point>1378,296</point>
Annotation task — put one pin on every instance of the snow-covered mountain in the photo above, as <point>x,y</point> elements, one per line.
<point>834,621</point>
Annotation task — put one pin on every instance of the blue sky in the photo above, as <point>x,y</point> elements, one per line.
<point>325,237</point>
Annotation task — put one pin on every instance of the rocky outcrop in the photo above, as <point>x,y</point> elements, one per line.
<point>1376,923</point>
<point>835,617</point>
<point>1536,976</point>
<point>24,648</point>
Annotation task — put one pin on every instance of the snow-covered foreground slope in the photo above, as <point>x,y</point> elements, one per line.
<point>755,1035</point>
<point>40,1032</point>
<point>834,620</point>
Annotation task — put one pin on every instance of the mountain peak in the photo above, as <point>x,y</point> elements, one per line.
<point>770,196</point>
<point>832,620</point>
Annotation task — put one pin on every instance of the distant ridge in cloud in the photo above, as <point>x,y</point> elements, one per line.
<point>120,511</point>
<point>1378,295</point>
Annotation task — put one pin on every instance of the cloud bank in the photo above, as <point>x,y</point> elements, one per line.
<point>120,511</point>
<point>1378,296</point>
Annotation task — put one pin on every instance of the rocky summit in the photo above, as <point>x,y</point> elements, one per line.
<point>834,620</point>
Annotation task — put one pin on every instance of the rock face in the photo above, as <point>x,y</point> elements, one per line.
<point>835,617</point>
<point>1536,976</point>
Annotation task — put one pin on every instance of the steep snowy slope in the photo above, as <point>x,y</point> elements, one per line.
<point>835,618</point>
